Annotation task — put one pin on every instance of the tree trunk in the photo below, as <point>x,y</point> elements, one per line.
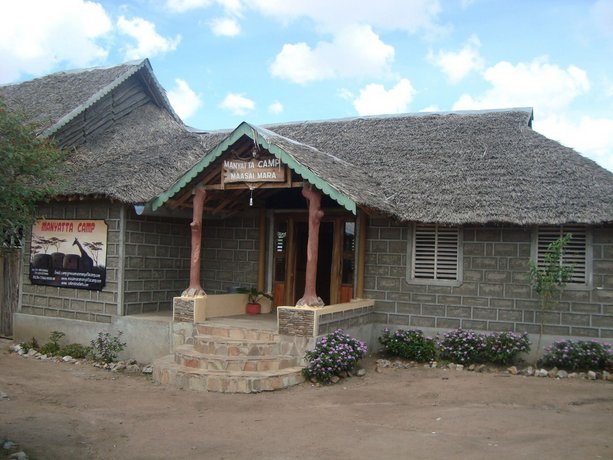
<point>9,290</point>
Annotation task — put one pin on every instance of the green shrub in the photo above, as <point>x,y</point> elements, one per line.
<point>105,348</point>
<point>503,347</point>
<point>27,346</point>
<point>408,344</point>
<point>333,354</point>
<point>579,356</point>
<point>76,350</point>
<point>52,347</point>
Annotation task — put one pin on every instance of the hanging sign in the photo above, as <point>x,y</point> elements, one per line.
<point>266,168</point>
<point>69,253</point>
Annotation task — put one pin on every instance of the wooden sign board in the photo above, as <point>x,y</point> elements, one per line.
<point>261,169</point>
<point>69,253</point>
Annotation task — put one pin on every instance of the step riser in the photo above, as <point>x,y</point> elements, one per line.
<point>237,333</point>
<point>168,375</point>
<point>210,346</point>
<point>243,365</point>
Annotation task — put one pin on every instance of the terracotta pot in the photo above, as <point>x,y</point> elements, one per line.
<point>253,308</point>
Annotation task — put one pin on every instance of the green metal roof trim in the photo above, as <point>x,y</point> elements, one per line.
<point>245,129</point>
<point>136,66</point>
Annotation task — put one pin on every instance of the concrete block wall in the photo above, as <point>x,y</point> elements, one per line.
<point>97,306</point>
<point>495,294</point>
<point>157,258</point>
<point>345,320</point>
<point>230,253</point>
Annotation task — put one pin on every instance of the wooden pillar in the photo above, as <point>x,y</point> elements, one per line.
<point>262,251</point>
<point>195,289</point>
<point>310,296</point>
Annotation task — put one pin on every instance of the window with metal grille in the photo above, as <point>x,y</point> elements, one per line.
<point>575,252</point>
<point>435,252</point>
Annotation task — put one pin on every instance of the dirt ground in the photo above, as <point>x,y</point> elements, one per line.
<point>68,411</point>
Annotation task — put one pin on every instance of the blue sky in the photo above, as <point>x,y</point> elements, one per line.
<point>268,61</point>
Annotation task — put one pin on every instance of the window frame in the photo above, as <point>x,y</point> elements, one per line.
<point>564,229</point>
<point>411,259</point>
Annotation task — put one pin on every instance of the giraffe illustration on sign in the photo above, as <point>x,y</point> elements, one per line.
<point>86,263</point>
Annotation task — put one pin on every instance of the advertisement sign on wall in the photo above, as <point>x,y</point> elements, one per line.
<point>69,253</point>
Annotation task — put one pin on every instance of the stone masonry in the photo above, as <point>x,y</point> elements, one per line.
<point>495,294</point>
<point>157,255</point>
<point>229,253</point>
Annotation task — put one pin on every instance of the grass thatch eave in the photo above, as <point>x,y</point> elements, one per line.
<point>135,160</point>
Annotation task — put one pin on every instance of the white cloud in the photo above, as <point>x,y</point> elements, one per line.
<point>592,137</point>
<point>550,90</point>
<point>457,65</point>
<point>180,6</point>
<point>346,94</point>
<point>374,99</point>
<point>331,15</point>
<point>148,42</point>
<point>225,27</point>
<point>186,5</point>
<point>275,108</point>
<point>431,108</point>
<point>36,36</point>
<point>183,99</point>
<point>546,87</point>
<point>355,51</point>
<point>237,104</point>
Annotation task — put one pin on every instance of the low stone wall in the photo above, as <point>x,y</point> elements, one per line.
<point>316,321</point>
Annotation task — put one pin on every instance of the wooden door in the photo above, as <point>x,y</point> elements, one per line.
<point>335,264</point>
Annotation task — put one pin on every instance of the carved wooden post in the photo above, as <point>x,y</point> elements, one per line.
<point>310,296</point>
<point>195,289</point>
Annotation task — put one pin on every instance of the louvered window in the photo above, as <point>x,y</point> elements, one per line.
<point>575,252</point>
<point>435,252</point>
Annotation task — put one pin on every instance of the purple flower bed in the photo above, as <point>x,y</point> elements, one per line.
<point>335,353</point>
<point>580,355</point>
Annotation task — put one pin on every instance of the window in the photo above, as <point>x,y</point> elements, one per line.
<point>575,253</point>
<point>435,253</point>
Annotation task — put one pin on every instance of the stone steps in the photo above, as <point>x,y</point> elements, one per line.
<point>231,360</point>
<point>186,355</point>
<point>236,347</point>
<point>236,333</point>
<point>167,372</point>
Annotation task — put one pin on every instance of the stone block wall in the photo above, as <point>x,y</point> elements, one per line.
<point>157,257</point>
<point>230,253</point>
<point>495,294</point>
<point>296,321</point>
<point>71,303</point>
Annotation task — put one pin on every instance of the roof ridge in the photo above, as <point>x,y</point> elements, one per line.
<point>528,110</point>
<point>133,68</point>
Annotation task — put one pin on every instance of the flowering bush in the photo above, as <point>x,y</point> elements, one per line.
<point>503,347</point>
<point>463,347</point>
<point>333,354</point>
<point>408,344</point>
<point>581,355</point>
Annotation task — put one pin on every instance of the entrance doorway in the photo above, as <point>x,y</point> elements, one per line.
<point>335,259</point>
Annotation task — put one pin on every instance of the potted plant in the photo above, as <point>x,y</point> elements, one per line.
<point>253,300</point>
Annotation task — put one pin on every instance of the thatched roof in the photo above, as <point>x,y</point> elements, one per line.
<point>454,168</point>
<point>136,160</point>
<point>137,157</point>
<point>347,178</point>
<point>457,168</point>
<point>53,100</point>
